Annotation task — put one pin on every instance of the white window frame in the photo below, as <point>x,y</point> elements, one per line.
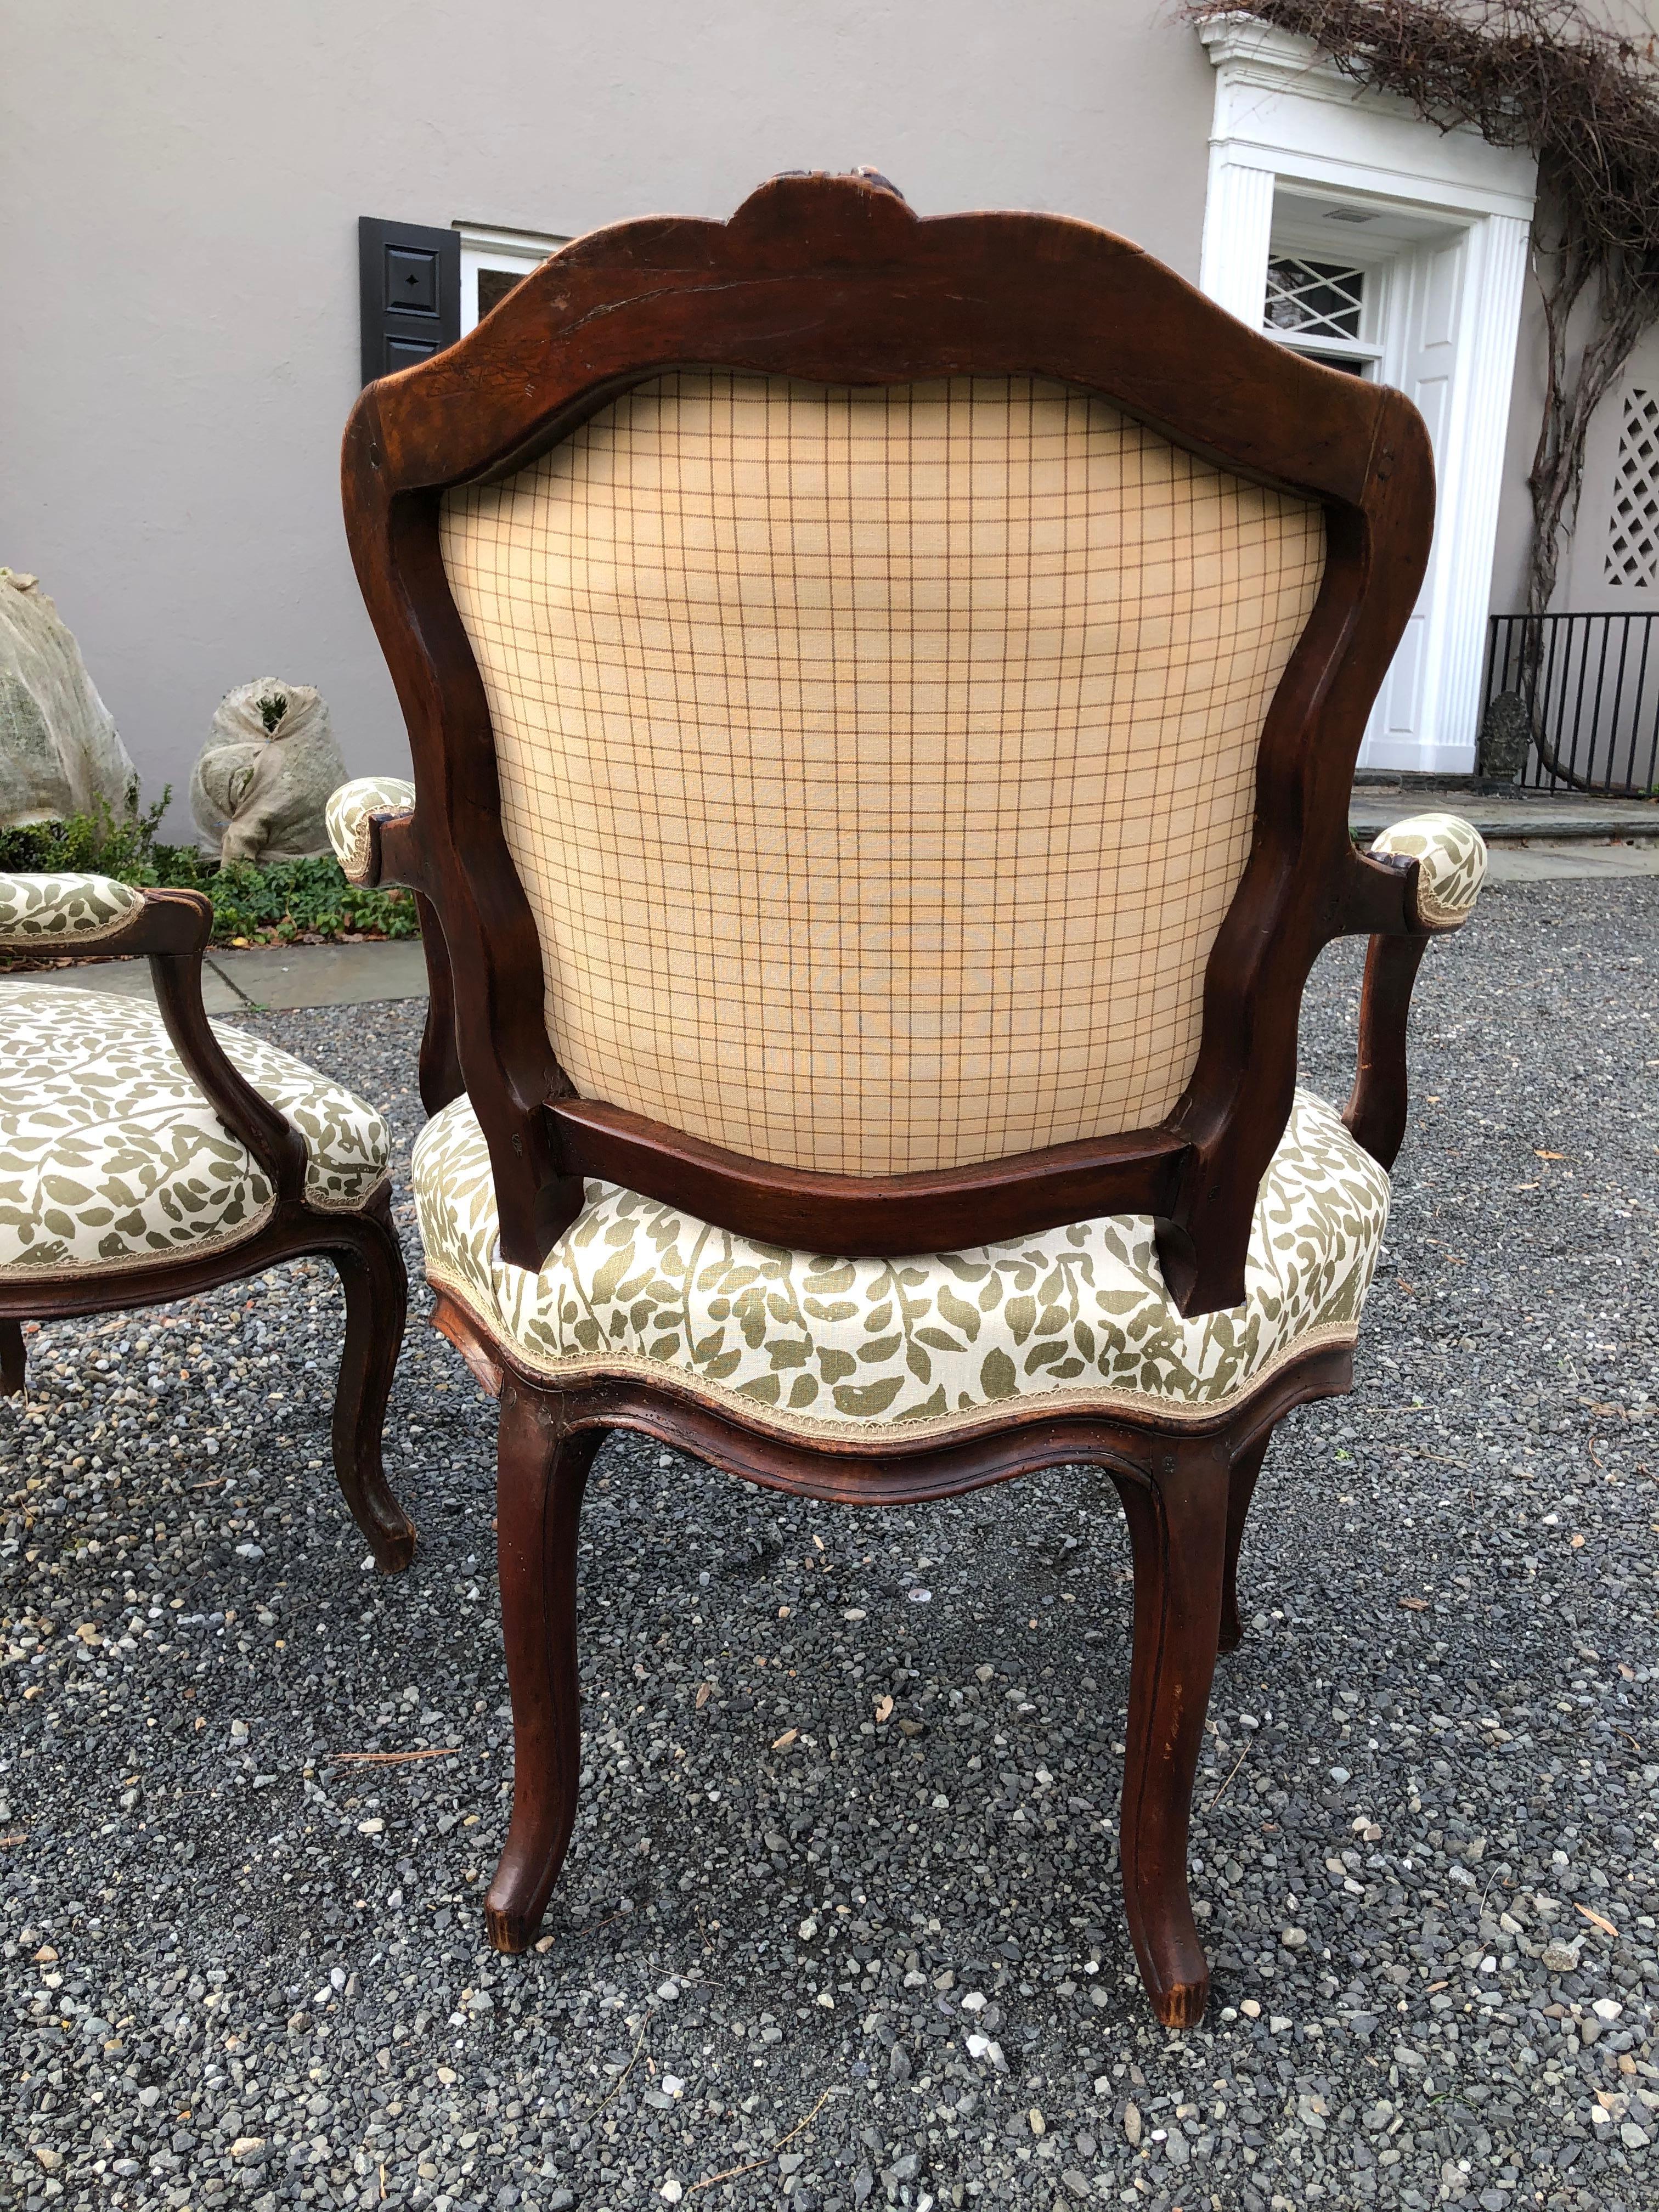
<point>1285,117</point>
<point>1365,353</point>
<point>515,252</point>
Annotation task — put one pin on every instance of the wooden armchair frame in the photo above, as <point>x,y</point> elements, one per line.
<point>172,927</point>
<point>833,280</point>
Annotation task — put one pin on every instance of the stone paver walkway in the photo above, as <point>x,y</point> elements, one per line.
<point>272,978</point>
<point>1509,815</point>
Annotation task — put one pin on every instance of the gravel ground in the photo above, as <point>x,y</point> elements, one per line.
<point>841,1922</point>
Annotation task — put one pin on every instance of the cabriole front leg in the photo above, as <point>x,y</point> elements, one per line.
<point>1178,1534</point>
<point>541,1473</point>
<point>370,1264</point>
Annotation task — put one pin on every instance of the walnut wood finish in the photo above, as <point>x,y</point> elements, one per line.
<point>440,1070</point>
<point>1173,1478</point>
<point>833,279</point>
<point>1377,1105</point>
<point>13,1367</point>
<point>1241,1489</point>
<point>172,928</point>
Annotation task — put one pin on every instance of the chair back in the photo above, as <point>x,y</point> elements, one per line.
<point>855,729</point>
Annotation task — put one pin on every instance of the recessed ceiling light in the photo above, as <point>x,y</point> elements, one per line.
<point>1349,215</point>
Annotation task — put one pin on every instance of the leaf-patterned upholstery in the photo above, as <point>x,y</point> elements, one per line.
<point>1451,854</point>
<point>346,817</point>
<point>110,1156</point>
<point>62,913</point>
<point>1078,1315</point>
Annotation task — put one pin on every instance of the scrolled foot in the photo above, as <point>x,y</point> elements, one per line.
<point>541,1473</point>
<point>371,1271</point>
<point>1178,1532</point>
<point>507,1930</point>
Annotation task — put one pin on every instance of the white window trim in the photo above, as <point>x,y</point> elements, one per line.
<point>516,252</point>
<point>1284,116</point>
<point>1364,351</point>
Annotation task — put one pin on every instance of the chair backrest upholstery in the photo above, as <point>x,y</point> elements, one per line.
<point>884,695</point>
<point>880,764</point>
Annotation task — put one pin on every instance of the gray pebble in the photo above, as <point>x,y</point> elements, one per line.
<point>228,1957</point>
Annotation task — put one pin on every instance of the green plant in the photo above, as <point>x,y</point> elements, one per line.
<point>302,899</point>
<point>101,843</point>
<point>287,902</point>
<point>271,710</point>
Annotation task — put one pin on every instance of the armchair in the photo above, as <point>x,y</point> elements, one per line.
<point>144,1156</point>
<point>883,697</point>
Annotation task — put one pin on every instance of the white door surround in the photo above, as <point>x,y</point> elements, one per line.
<point>1298,152</point>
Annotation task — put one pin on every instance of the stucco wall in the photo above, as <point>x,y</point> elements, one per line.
<point>1581,586</point>
<point>182,187</point>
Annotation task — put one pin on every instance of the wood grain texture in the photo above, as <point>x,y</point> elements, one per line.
<point>833,280</point>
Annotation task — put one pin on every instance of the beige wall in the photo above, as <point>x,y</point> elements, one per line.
<point>182,187</point>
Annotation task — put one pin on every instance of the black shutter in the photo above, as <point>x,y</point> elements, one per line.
<point>411,293</point>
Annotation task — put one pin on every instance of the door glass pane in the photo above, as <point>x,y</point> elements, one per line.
<point>1315,299</point>
<point>494,285</point>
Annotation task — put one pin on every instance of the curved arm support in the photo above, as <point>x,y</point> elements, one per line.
<point>442,1079</point>
<point>178,925</point>
<point>1441,863</point>
<point>1376,1107</point>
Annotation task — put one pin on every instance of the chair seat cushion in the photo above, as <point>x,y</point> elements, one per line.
<point>803,1342</point>
<point>110,1155</point>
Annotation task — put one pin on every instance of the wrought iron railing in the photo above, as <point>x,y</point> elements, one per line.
<point>1586,694</point>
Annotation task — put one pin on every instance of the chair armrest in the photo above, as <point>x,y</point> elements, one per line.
<point>359,816</point>
<point>1451,866</point>
<point>355,814</point>
<point>63,913</point>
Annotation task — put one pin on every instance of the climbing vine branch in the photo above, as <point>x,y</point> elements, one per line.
<point>1582,98</point>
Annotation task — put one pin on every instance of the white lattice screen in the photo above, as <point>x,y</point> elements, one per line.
<point>1633,540</point>
<point>1314,299</point>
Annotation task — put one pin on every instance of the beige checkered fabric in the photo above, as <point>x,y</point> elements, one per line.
<point>879,764</point>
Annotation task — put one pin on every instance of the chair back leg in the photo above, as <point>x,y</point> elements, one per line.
<point>13,1367</point>
<point>1241,1489</point>
<point>1178,1534</point>
<point>542,1471</point>
<point>370,1264</point>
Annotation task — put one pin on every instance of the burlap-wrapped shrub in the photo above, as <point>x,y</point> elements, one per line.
<point>60,753</point>
<point>262,782</point>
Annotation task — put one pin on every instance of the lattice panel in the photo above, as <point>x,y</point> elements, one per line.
<point>1633,539</point>
<point>1315,299</point>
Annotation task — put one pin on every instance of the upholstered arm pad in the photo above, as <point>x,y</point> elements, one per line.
<point>349,812</point>
<point>62,913</point>
<point>1451,854</point>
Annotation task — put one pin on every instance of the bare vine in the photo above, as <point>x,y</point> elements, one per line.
<point>1584,100</point>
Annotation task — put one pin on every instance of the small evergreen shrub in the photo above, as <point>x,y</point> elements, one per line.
<point>292,902</point>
